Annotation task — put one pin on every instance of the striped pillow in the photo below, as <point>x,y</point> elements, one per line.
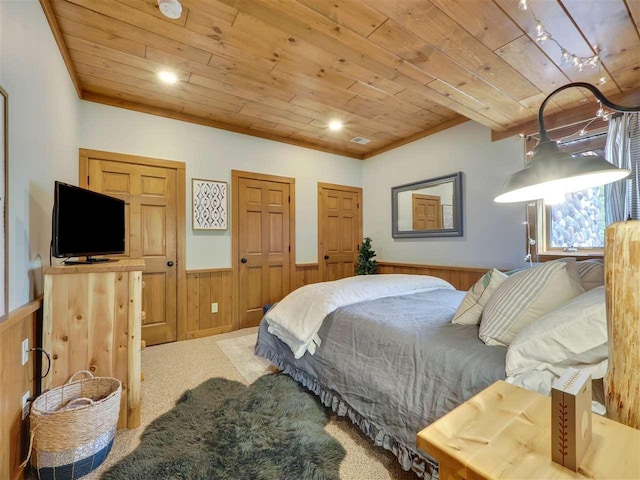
<point>526,296</point>
<point>591,273</point>
<point>470,310</point>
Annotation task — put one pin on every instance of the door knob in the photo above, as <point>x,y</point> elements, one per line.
<point>326,257</point>
<point>169,263</point>
<point>243,260</point>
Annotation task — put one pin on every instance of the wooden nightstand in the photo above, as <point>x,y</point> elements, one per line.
<point>504,432</point>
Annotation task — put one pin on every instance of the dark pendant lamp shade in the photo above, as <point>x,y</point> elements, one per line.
<point>552,172</point>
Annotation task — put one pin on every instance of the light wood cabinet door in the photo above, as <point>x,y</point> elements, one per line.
<point>150,215</point>
<point>339,230</point>
<point>91,321</point>
<point>263,246</point>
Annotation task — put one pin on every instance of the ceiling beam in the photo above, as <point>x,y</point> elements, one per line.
<point>568,117</point>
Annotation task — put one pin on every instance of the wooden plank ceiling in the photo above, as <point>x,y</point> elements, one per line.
<point>391,70</point>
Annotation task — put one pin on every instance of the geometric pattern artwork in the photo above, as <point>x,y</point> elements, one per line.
<point>209,204</point>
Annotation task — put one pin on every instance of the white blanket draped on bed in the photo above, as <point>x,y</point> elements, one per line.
<point>297,318</point>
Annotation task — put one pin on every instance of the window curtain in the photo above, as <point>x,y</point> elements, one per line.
<point>623,150</point>
<point>634,160</point>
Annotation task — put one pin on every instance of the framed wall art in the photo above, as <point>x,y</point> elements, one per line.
<point>210,204</point>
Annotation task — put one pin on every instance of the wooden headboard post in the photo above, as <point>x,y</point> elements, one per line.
<point>622,280</point>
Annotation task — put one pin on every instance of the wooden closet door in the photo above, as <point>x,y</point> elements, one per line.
<point>339,230</point>
<point>151,233</point>
<point>263,246</point>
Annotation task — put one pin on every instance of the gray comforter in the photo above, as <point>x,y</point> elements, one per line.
<point>394,365</point>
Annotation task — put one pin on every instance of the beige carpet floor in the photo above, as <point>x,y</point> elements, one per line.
<point>172,368</point>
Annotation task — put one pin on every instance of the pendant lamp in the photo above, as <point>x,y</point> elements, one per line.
<point>551,172</point>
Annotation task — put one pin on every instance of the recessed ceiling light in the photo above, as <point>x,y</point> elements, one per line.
<point>167,77</point>
<point>335,124</point>
<point>170,8</point>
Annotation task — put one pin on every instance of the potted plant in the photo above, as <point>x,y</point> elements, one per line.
<point>366,265</point>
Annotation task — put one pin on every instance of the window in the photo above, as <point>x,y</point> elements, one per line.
<point>578,223</point>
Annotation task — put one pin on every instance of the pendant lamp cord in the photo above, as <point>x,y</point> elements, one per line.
<point>596,93</point>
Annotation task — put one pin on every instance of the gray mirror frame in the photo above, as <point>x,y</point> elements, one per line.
<point>4,194</point>
<point>456,231</point>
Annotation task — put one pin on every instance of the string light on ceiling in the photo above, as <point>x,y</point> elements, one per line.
<point>543,35</point>
<point>603,114</point>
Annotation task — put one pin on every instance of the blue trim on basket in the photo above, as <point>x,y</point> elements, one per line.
<point>73,471</point>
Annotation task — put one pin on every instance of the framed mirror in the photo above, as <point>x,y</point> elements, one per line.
<point>428,208</point>
<point>4,156</point>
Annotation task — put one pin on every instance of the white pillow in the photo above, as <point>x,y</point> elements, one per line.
<point>528,295</point>
<point>591,273</point>
<point>470,310</point>
<point>573,335</point>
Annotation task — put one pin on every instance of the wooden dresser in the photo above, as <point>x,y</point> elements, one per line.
<point>92,321</point>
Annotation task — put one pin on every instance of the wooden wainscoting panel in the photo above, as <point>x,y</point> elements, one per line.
<point>205,287</point>
<point>306,273</point>
<point>467,278</point>
<point>462,278</point>
<point>16,379</point>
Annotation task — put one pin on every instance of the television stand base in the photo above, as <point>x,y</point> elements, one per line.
<point>88,261</point>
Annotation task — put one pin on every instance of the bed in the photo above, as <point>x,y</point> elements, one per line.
<point>393,365</point>
<point>383,350</point>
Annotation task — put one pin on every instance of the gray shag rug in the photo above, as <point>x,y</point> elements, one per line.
<point>224,430</point>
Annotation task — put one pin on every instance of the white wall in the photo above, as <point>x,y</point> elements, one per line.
<point>43,120</point>
<point>493,234</point>
<point>212,154</point>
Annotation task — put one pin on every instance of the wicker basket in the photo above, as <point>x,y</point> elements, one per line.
<point>73,426</point>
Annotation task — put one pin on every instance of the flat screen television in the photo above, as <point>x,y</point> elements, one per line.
<point>86,223</point>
